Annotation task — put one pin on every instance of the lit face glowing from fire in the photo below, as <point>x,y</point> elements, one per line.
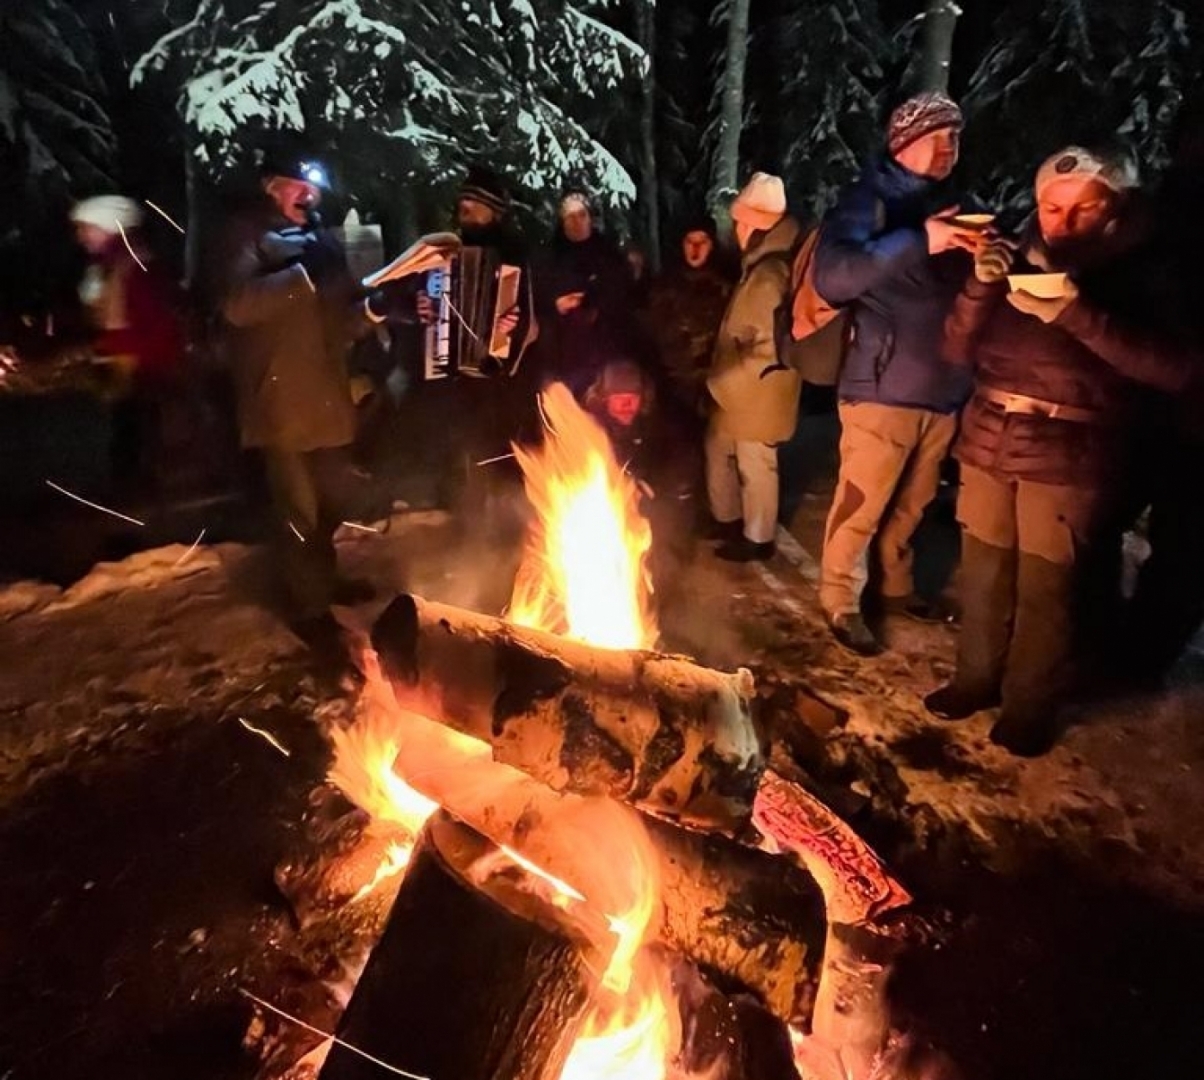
<point>696,248</point>
<point>623,408</point>
<point>1073,209</point>
<point>576,220</point>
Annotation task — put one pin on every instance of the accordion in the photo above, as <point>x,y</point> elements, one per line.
<point>470,291</point>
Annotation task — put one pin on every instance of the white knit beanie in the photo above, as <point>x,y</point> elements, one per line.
<point>1114,171</point>
<point>111,213</point>
<point>762,203</point>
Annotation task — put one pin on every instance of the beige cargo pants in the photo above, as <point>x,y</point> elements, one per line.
<point>890,460</point>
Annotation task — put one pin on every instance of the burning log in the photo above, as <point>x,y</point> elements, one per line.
<point>657,731</point>
<point>476,981</point>
<point>754,918</point>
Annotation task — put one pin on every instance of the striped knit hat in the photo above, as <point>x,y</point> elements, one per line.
<point>920,116</point>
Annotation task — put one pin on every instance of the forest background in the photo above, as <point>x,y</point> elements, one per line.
<point>658,107</point>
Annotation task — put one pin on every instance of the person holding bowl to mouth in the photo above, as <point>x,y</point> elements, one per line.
<point>1060,331</point>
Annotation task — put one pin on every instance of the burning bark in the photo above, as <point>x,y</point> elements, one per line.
<point>753,917</point>
<point>471,980</point>
<point>657,731</point>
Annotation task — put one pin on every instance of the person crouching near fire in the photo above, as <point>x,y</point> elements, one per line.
<point>650,446</point>
<point>756,395</point>
<point>1043,439</point>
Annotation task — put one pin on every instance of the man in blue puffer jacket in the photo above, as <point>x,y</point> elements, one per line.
<point>892,252</point>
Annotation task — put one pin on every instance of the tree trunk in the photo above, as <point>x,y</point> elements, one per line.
<point>931,67</point>
<point>646,33</point>
<point>468,981</point>
<point>725,170</point>
<point>656,731</point>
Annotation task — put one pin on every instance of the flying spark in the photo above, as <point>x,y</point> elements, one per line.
<point>95,506</point>
<point>190,550</point>
<point>333,1038</point>
<point>493,460</point>
<point>296,532</point>
<point>267,736</point>
<point>126,240</point>
<point>165,215</point>
<point>362,528</point>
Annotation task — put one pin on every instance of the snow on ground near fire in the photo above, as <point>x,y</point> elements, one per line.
<point>171,633</point>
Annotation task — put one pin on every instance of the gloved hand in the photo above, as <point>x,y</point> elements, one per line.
<point>278,250</point>
<point>393,302</point>
<point>993,260</point>
<point>323,260</point>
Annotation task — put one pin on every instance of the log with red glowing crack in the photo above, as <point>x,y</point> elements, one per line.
<point>663,734</point>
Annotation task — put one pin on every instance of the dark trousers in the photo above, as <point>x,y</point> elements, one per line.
<point>312,493</point>
<point>1023,545</point>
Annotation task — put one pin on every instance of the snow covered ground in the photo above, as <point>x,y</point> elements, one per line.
<point>142,815</point>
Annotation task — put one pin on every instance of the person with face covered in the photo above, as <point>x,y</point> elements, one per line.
<point>291,310</point>
<point>893,253</point>
<point>1046,434</point>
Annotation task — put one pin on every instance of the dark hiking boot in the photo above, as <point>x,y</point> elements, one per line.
<point>1025,736</point>
<point>851,632</point>
<point>955,702</point>
<point>722,531</point>
<point>745,550</point>
<point>919,609</point>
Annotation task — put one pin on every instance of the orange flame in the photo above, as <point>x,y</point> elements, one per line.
<point>584,573</point>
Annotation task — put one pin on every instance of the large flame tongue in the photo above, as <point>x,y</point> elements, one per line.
<point>584,573</point>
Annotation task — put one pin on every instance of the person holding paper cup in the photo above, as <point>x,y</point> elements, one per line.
<point>1060,334</point>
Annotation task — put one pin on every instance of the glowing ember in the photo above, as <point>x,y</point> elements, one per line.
<point>633,1039</point>
<point>584,573</point>
<point>396,859</point>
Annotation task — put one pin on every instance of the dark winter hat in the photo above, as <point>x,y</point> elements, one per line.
<point>486,187</point>
<point>621,377</point>
<point>920,116</point>
<point>1114,171</point>
<point>700,222</point>
<point>574,199</point>
<point>296,165</point>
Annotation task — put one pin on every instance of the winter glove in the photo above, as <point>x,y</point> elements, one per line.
<point>1045,310</point>
<point>993,261</point>
<point>323,261</point>
<point>278,250</point>
<point>393,302</point>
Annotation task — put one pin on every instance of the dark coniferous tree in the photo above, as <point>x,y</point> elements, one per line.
<point>1064,71</point>
<point>826,65</point>
<point>56,139</point>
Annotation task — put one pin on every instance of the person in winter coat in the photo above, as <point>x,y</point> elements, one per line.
<point>891,251</point>
<point>684,309</point>
<point>1046,436</point>
<point>134,312</point>
<point>756,396</point>
<point>585,297</point>
<point>291,310</point>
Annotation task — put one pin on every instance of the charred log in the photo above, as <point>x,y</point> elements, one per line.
<point>468,981</point>
<point>657,731</point>
<point>754,918</point>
